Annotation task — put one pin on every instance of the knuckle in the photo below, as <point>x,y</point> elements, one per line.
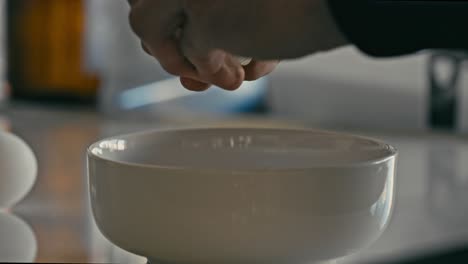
<point>145,49</point>
<point>209,69</point>
<point>210,65</point>
<point>135,22</point>
<point>172,68</point>
<point>132,2</point>
<point>207,63</point>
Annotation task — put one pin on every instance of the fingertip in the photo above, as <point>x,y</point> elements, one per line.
<point>231,80</point>
<point>194,85</point>
<point>233,87</point>
<point>257,69</point>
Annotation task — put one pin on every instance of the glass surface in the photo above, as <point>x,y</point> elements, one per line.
<point>430,206</point>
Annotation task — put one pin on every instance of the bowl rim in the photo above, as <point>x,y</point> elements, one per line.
<point>392,151</point>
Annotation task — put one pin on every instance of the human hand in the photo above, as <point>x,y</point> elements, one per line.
<point>253,71</point>
<point>196,39</point>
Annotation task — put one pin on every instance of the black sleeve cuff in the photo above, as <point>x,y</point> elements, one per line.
<point>390,28</point>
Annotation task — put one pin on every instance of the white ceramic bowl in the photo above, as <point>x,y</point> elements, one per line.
<point>241,195</point>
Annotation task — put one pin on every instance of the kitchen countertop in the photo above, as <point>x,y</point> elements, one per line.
<point>431,208</point>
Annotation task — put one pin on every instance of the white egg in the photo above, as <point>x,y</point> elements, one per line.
<point>18,169</point>
<point>17,240</point>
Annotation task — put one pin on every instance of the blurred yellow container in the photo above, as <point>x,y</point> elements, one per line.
<point>46,50</point>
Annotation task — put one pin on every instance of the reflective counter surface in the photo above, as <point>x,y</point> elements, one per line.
<point>54,224</point>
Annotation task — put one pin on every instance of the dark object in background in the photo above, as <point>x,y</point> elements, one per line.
<point>46,51</point>
<point>444,72</point>
<point>397,27</point>
<point>454,256</point>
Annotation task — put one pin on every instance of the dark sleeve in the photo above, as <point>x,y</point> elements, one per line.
<point>390,28</point>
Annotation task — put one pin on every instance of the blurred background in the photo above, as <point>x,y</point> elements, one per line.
<point>71,72</point>
<point>82,53</point>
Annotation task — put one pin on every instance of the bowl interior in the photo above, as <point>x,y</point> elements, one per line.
<point>241,149</point>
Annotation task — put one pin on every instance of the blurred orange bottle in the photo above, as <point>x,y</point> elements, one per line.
<point>46,54</point>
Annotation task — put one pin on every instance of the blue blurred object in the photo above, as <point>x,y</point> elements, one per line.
<point>169,95</point>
